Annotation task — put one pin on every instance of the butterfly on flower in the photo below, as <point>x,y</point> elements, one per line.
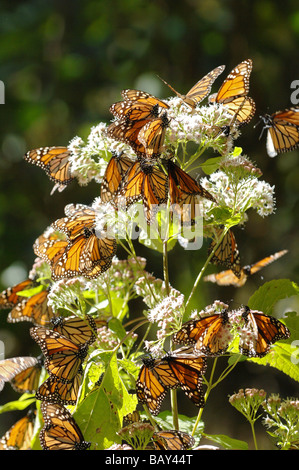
<point>20,435</point>
<point>200,90</point>
<point>260,332</point>
<point>228,278</point>
<point>60,431</point>
<point>82,251</point>
<point>209,334</point>
<point>114,173</point>
<point>185,193</point>
<point>226,253</point>
<point>233,91</point>
<point>55,162</point>
<point>176,370</point>
<point>137,106</point>
<point>282,130</point>
<point>146,183</point>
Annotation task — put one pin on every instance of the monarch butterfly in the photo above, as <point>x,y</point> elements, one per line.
<point>227,253</point>
<point>54,390</point>
<point>79,330</point>
<point>27,380</point>
<point>83,254</point>
<point>209,334</point>
<point>172,440</point>
<point>147,183</point>
<point>157,376</point>
<point>185,192</point>
<point>152,136</point>
<point>131,418</point>
<point>137,105</point>
<point>265,330</point>
<point>226,278</point>
<point>60,431</point>
<point>115,170</point>
<point>63,357</point>
<point>128,131</point>
<point>233,90</point>
<point>9,368</point>
<point>283,131</point>
<point>55,162</point>
<point>10,297</point>
<point>19,436</point>
<point>201,89</point>
<point>34,309</point>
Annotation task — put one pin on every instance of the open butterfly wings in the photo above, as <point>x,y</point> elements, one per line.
<point>233,93</point>
<point>172,440</point>
<point>227,278</point>
<point>283,131</point>
<point>208,334</point>
<point>262,331</point>
<point>157,376</point>
<point>201,89</point>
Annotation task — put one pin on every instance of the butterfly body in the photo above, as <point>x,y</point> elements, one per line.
<point>282,131</point>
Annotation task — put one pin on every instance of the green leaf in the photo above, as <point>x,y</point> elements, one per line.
<point>211,165</point>
<point>227,442</point>
<point>269,293</point>
<point>23,402</point>
<point>100,414</point>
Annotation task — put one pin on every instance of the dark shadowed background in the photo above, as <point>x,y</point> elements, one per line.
<point>64,63</point>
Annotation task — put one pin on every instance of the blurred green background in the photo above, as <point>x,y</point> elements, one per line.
<point>64,63</point>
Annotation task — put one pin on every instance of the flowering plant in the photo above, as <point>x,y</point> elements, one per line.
<point>112,367</point>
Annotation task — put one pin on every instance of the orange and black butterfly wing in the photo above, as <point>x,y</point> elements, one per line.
<point>55,161</point>
<point>54,390</point>
<point>81,331</point>
<point>115,170</point>
<point>27,380</point>
<point>9,297</point>
<point>172,440</point>
<point>152,136</point>
<point>226,253</point>
<point>202,88</point>
<point>188,372</point>
<point>266,261</point>
<point>34,309</point>
<point>233,90</point>
<point>60,431</point>
<point>180,184</point>
<point>137,105</point>
<point>128,131</point>
<point>283,131</point>
<point>19,436</point>
<point>227,278</point>
<point>63,358</point>
<point>264,330</point>
<point>150,390</point>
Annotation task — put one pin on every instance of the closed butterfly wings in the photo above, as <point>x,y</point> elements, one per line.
<point>10,368</point>
<point>60,431</point>
<point>226,252</point>
<point>282,131</point>
<point>20,435</point>
<point>116,168</point>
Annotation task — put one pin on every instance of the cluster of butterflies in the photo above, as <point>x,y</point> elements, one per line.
<point>202,338</point>
<point>64,342</point>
